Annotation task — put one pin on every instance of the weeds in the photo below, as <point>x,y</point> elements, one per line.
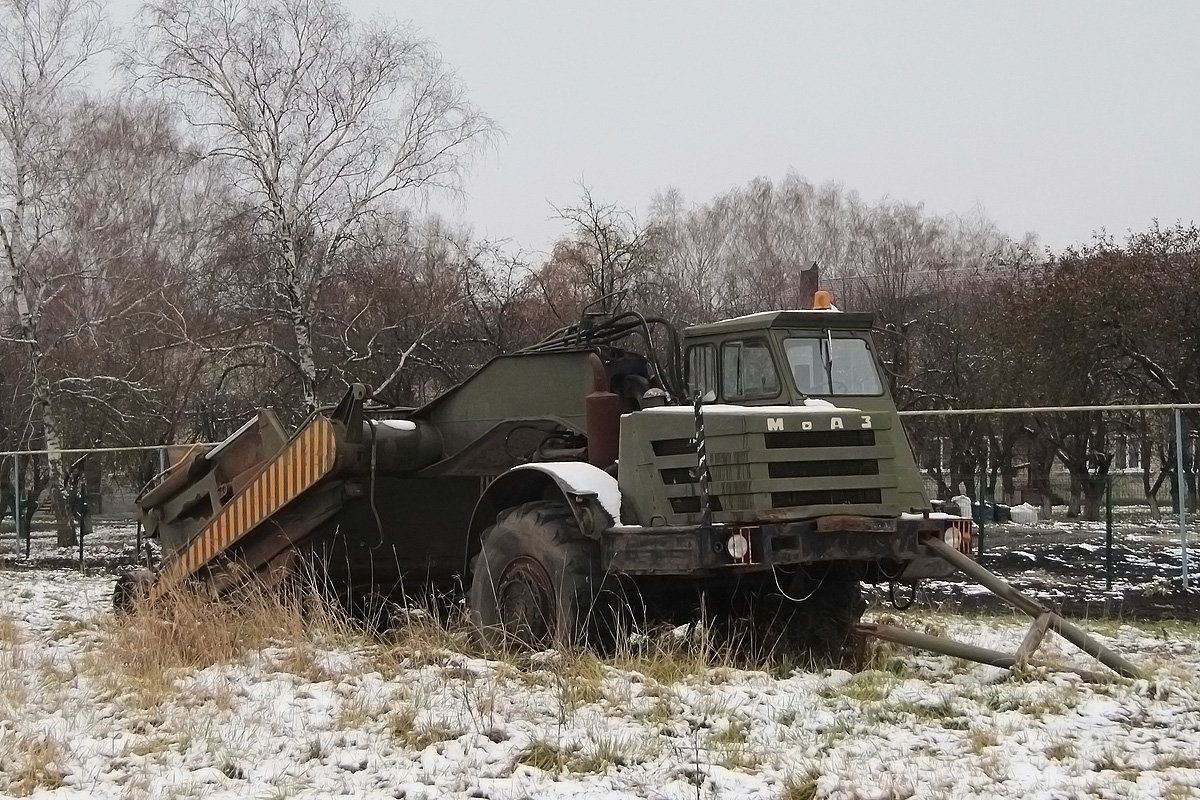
<point>801,787</point>
<point>13,692</point>
<point>740,756</point>
<point>29,763</point>
<point>1061,751</point>
<point>619,750</point>
<point>669,656</point>
<point>981,739</point>
<point>187,630</point>
<point>870,686</point>
<point>543,755</point>
<point>1177,761</point>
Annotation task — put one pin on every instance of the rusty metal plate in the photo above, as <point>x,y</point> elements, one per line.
<point>852,523</point>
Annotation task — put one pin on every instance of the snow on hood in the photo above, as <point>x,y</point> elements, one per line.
<point>811,405</point>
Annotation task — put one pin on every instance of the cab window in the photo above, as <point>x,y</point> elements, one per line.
<point>747,371</point>
<point>702,372</point>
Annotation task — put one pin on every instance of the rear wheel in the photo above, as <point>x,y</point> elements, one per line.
<point>534,579</point>
<point>130,589</point>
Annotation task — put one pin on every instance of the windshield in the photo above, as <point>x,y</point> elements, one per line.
<point>828,365</point>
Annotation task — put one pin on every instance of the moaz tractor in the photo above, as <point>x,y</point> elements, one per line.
<point>753,468</point>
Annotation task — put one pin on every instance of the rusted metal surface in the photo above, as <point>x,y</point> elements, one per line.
<point>844,522</point>
<point>602,409</point>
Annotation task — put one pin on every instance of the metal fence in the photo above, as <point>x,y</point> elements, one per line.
<point>1113,518</point>
<point>101,484</point>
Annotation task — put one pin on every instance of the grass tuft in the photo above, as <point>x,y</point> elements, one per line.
<point>30,763</point>
<point>13,693</point>
<point>869,686</point>
<point>613,750</point>
<point>1061,751</point>
<point>543,755</point>
<point>800,787</point>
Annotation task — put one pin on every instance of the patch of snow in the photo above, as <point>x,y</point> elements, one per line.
<point>579,477</point>
<point>718,409</point>
<point>447,725</point>
<point>398,424</point>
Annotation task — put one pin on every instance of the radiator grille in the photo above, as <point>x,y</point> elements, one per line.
<point>785,439</point>
<point>826,497</point>
<point>823,469</point>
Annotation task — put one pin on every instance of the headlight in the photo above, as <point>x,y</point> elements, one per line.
<point>738,546</point>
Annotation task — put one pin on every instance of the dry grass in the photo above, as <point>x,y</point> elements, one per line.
<point>145,650</point>
<point>981,739</point>
<point>802,786</point>
<point>668,656</point>
<point>30,763</point>
<point>10,633</point>
<point>542,754</point>
<point>13,665</point>
<point>1061,751</point>
<point>427,635</point>
<point>869,686</point>
<point>412,724</point>
<point>606,749</point>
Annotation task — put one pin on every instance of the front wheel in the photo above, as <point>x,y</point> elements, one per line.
<point>814,611</point>
<point>534,579</point>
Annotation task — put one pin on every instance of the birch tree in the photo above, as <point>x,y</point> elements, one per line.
<point>324,120</point>
<point>46,47</point>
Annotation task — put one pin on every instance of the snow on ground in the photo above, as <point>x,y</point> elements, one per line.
<point>345,722</point>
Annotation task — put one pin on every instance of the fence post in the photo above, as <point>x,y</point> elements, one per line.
<point>982,495</point>
<point>1108,532</point>
<point>82,501</point>
<point>19,516</point>
<point>1181,494</point>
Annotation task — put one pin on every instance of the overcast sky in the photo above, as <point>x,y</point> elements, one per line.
<point>1056,118</point>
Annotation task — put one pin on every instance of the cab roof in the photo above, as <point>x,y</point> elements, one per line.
<point>814,320</point>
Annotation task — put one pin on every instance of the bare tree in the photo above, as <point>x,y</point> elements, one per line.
<point>45,50</point>
<point>136,208</point>
<point>608,255</point>
<point>324,120</point>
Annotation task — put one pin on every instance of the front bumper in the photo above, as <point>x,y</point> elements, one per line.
<point>894,544</point>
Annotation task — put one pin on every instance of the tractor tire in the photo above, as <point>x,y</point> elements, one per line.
<point>819,622</point>
<point>534,579</point>
<point>828,617</point>
<point>131,589</point>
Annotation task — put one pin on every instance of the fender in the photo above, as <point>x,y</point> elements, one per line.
<point>590,493</point>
